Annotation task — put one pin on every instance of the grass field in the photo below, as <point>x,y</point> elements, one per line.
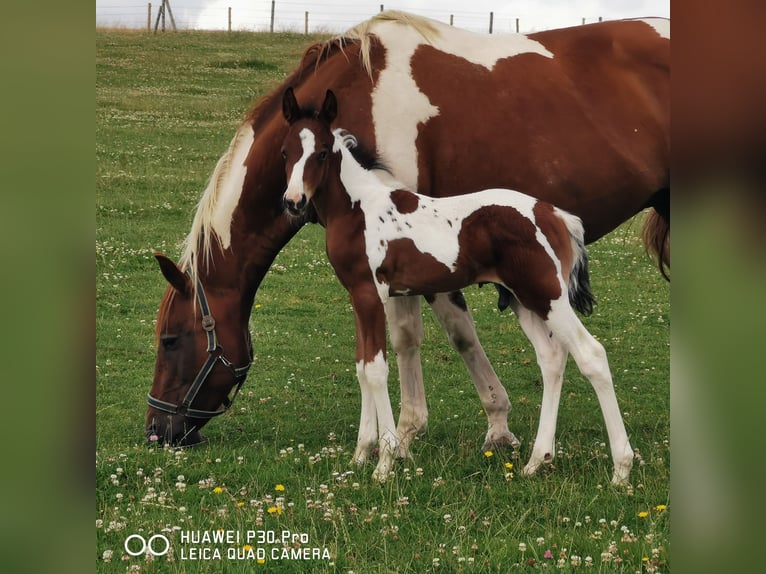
<point>166,108</point>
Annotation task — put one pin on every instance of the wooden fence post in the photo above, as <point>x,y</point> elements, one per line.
<point>451,19</point>
<point>517,25</point>
<point>306,24</point>
<point>271,28</point>
<point>381,7</point>
<point>491,21</point>
<point>149,18</point>
<point>229,18</point>
<point>170,13</point>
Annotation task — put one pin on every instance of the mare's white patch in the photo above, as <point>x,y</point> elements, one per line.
<point>660,25</point>
<point>398,105</point>
<point>434,227</point>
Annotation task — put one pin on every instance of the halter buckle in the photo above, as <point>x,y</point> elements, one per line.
<point>208,323</point>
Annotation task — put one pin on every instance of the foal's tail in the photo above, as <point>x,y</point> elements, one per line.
<point>580,295</point>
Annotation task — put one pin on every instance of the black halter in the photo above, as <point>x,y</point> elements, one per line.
<point>215,355</point>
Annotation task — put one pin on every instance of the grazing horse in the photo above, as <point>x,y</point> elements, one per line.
<point>384,240</point>
<point>578,116</point>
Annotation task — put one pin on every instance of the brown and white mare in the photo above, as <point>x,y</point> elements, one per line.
<point>385,241</point>
<point>577,116</point>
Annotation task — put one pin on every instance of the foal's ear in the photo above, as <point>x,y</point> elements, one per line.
<point>329,108</point>
<point>290,108</point>
<point>177,278</point>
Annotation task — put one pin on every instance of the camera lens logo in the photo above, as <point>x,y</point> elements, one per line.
<point>143,545</point>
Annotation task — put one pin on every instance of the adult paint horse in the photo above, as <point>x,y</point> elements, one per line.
<point>578,116</point>
<point>384,241</point>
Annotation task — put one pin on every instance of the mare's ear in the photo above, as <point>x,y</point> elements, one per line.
<point>290,108</point>
<point>329,108</point>
<point>177,278</point>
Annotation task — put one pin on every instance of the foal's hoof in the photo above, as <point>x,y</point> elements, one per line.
<point>384,468</point>
<point>529,470</point>
<point>537,463</point>
<point>403,453</point>
<point>621,475</point>
<point>362,454</point>
<point>380,476</point>
<point>619,480</point>
<point>501,441</point>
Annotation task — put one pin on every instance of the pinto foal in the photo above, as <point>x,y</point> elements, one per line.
<point>385,241</point>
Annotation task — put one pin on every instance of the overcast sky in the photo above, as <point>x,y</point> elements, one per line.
<point>338,15</point>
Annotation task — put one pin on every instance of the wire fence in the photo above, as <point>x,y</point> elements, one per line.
<point>309,17</point>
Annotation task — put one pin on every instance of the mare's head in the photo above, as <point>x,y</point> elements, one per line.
<point>203,353</point>
<point>307,149</point>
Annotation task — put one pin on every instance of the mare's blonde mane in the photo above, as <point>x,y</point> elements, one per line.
<point>363,33</point>
<point>202,226</point>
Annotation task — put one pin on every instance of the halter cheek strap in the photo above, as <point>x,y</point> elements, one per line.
<point>215,355</point>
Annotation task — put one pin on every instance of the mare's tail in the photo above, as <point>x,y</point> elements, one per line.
<point>656,234</point>
<point>580,295</point>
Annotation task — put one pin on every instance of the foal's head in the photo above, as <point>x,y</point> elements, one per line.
<point>307,149</point>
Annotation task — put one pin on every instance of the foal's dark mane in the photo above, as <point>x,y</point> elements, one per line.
<point>363,155</point>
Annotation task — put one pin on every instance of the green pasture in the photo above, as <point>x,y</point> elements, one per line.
<point>279,461</point>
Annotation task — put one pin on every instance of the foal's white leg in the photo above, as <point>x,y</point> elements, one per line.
<point>458,323</point>
<point>368,420</point>
<point>405,325</point>
<point>552,358</point>
<point>590,357</point>
<point>375,374</point>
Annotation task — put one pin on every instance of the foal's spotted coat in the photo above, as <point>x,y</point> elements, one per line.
<point>384,241</point>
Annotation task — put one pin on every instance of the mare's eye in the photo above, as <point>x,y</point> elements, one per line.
<point>322,156</point>
<point>169,342</point>
<point>284,154</point>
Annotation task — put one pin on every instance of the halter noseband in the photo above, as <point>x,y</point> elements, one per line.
<point>215,355</point>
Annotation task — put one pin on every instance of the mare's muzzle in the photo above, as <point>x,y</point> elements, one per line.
<point>175,430</point>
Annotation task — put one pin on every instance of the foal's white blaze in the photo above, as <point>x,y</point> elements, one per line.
<point>398,105</point>
<point>295,190</point>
